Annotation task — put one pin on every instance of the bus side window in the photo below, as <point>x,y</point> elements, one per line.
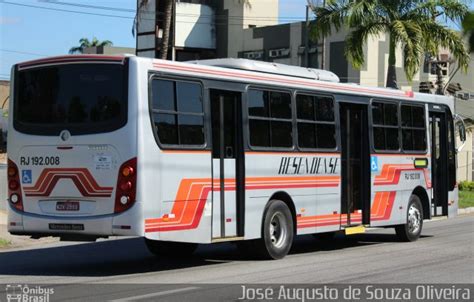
<point>316,122</point>
<point>178,112</point>
<point>385,126</point>
<point>270,119</point>
<point>413,128</point>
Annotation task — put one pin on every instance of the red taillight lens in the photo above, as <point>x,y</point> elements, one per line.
<point>12,171</point>
<point>126,186</point>
<point>14,186</point>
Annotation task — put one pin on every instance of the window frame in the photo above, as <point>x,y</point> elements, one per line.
<point>373,125</point>
<point>248,118</point>
<point>425,128</point>
<point>158,76</point>
<point>315,122</point>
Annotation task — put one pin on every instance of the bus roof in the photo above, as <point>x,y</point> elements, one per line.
<point>244,71</point>
<point>256,72</point>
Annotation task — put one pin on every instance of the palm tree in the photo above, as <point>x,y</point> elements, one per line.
<point>411,24</point>
<point>85,43</point>
<point>168,15</point>
<point>468,25</point>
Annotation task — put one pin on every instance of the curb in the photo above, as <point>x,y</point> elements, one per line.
<point>466,211</point>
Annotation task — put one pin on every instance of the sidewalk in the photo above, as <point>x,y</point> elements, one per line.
<point>19,241</point>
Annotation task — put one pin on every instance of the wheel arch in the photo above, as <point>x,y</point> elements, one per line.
<point>286,198</point>
<point>425,201</point>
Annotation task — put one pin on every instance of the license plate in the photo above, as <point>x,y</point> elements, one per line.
<point>67,206</point>
<point>66,227</point>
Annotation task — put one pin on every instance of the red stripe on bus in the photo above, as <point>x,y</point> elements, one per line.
<point>81,177</point>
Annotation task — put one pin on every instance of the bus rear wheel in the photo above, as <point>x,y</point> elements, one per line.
<point>277,231</point>
<point>170,249</point>
<point>411,230</point>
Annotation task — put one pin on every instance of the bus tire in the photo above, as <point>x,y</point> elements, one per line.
<point>170,249</point>
<point>411,230</point>
<point>277,231</point>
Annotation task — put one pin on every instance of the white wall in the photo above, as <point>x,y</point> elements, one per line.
<point>465,158</point>
<point>195,26</point>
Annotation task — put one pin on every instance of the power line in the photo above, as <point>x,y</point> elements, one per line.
<point>65,10</point>
<point>108,8</point>
<point>128,10</point>
<point>113,16</point>
<point>23,52</point>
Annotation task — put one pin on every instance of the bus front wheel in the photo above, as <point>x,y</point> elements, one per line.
<point>277,231</point>
<point>411,230</point>
<point>170,249</point>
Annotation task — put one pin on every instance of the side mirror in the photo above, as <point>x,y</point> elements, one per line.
<point>461,130</point>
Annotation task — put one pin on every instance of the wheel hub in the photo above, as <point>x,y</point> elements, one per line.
<point>414,219</point>
<point>278,230</point>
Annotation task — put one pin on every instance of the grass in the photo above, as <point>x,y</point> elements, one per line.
<point>466,199</point>
<point>4,243</point>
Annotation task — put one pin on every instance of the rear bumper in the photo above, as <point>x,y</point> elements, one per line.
<point>123,224</point>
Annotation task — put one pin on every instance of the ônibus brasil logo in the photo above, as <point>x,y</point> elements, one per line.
<point>26,293</point>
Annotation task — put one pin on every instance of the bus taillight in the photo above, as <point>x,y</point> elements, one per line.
<point>14,186</point>
<point>126,186</point>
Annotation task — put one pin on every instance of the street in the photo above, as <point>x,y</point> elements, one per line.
<point>444,254</point>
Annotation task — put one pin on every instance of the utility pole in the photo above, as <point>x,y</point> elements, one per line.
<point>173,43</point>
<point>323,50</point>
<point>306,43</point>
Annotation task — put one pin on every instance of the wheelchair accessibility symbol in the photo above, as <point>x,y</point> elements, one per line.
<point>26,176</point>
<point>374,166</point>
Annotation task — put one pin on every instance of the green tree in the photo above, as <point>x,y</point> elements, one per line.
<point>468,25</point>
<point>412,24</point>
<point>85,43</point>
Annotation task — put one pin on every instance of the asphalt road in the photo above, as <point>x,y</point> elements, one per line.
<point>444,254</point>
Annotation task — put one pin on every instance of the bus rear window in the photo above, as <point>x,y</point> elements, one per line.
<point>80,98</point>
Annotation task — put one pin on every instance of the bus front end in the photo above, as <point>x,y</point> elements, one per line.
<point>72,166</point>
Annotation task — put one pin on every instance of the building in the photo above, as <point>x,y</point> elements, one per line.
<point>202,29</point>
<point>109,50</point>
<point>4,99</point>
<point>4,94</point>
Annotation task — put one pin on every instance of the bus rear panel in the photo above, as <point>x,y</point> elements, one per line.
<point>72,166</point>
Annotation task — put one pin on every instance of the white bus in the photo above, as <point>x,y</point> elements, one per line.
<point>220,150</point>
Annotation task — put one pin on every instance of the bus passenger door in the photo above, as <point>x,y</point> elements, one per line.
<point>439,162</point>
<point>355,169</point>
<point>227,164</point>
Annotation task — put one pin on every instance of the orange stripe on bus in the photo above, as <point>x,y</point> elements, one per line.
<point>192,194</point>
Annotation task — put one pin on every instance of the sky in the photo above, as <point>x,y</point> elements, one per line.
<point>29,32</point>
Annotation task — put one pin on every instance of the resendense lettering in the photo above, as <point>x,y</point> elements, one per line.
<point>308,165</point>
